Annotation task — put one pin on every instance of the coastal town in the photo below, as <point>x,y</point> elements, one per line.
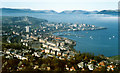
<point>35,48</point>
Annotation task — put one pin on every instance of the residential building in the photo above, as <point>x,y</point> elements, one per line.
<point>27,28</point>
<point>53,52</point>
<point>64,54</point>
<point>66,67</point>
<point>41,41</point>
<point>72,68</point>
<point>110,67</point>
<point>56,49</point>
<point>45,45</point>
<point>47,50</point>
<point>90,66</point>
<point>52,44</point>
<point>59,53</point>
<point>81,64</point>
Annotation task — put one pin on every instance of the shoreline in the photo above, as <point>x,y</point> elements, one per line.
<point>53,33</point>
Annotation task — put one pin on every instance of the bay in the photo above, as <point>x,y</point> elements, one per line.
<point>103,41</point>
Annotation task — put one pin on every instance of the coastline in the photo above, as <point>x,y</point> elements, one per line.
<point>82,49</point>
<point>73,49</point>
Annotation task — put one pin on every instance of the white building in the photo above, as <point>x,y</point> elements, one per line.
<point>50,43</point>
<point>45,45</point>
<point>62,44</point>
<point>56,49</point>
<point>68,41</point>
<point>41,41</point>
<point>90,66</point>
<point>20,57</point>
<point>7,52</point>
<point>81,64</point>
<point>64,54</point>
<point>47,51</point>
<point>36,54</point>
<point>27,28</point>
<point>62,48</point>
<point>59,53</point>
<point>53,52</point>
<point>27,36</point>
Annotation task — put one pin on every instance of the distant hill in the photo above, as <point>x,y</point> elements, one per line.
<point>78,12</point>
<point>109,12</point>
<point>9,10</point>
<point>23,20</point>
<point>75,12</point>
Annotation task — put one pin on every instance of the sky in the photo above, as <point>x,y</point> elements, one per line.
<point>61,5</point>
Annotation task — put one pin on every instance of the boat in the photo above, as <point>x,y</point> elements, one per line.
<point>109,38</point>
<point>91,37</point>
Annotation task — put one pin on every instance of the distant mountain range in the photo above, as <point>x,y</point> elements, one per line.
<point>10,10</point>
<point>78,12</point>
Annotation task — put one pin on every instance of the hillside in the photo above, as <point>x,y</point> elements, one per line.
<point>75,12</point>
<point>115,57</point>
<point>109,12</point>
<point>23,20</point>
